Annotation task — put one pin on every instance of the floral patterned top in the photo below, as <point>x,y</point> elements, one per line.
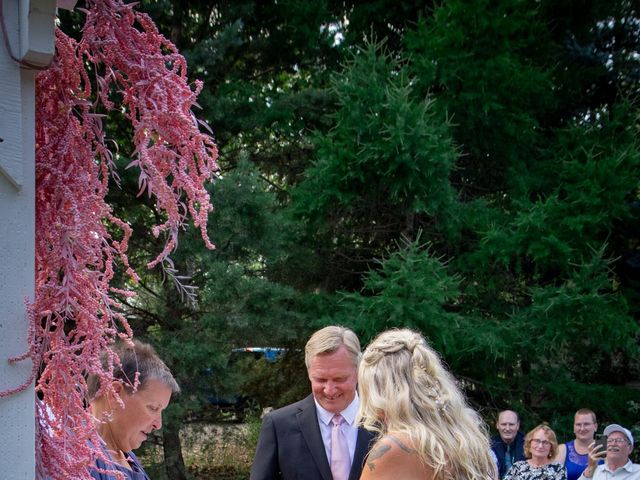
<point>523,471</point>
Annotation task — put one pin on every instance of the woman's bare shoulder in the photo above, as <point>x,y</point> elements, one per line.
<point>392,457</point>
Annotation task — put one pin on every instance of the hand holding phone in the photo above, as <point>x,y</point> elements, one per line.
<point>600,444</point>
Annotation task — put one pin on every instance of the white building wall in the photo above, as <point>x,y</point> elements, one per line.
<point>29,25</point>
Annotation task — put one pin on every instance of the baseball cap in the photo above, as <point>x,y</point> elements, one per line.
<point>614,427</point>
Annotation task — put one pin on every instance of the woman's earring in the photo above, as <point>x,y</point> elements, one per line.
<point>107,416</point>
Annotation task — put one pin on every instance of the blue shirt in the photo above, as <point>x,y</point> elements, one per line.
<point>574,462</point>
<point>136,472</point>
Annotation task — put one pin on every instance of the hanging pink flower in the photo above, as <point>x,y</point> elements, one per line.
<point>74,317</point>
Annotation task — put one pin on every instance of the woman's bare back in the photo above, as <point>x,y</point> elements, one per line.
<point>393,457</point>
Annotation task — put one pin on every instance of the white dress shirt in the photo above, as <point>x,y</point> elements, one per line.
<point>349,428</point>
<point>630,471</point>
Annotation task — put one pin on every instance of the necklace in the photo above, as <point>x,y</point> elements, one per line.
<point>119,457</point>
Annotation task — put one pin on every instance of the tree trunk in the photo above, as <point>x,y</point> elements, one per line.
<point>173,461</point>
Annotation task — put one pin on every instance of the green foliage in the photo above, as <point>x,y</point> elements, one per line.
<point>385,143</point>
<point>596,171</point>
<point>387,160</point>
<point>264,65</point>
<point>471,172</point>
<point>247,224</point>
<point>275,384</point>
<point>585,302</point>
<point>491,74</point>
<point>411,288</point>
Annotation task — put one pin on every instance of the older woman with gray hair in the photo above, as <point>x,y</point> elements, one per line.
<point>124,423</point>
<point>425,428</point>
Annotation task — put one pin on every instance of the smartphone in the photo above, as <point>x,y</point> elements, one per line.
<point>602,441</point>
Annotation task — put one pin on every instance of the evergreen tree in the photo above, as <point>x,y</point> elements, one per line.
<point>469,169</point>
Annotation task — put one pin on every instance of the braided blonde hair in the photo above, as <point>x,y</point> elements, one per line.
<point>405,388</point>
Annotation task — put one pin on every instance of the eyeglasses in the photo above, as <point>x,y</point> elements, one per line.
<point>617,440</point>
<point>537,441</point>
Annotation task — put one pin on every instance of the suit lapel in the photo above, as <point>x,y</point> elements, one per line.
<point>308,423</point>
<point>363,444</point>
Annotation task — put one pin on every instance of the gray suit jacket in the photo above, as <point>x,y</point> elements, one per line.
<point>290,446</point>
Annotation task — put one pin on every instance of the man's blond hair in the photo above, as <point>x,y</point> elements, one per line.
<point>586,411</point>
<point>328,339</point>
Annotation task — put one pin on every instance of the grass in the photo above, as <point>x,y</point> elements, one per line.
<point>220,451</point>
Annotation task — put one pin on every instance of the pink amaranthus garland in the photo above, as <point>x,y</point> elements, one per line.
<point>74,317</point>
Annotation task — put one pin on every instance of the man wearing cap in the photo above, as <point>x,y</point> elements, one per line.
<point>617,464</point>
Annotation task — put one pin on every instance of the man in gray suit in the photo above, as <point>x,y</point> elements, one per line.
<point>302,440</point>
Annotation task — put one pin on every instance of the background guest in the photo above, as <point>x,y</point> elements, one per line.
<point>508,445</point>
<point>425,428</point>
<point>574,455</point>
<point>616,464</point>
<point>124,426</point>
<point>540,447</point>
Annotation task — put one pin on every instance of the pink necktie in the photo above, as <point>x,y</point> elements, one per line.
<point>340,459</point>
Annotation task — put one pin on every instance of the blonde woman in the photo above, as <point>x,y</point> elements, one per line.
<point>540,448</point>
<point>425,428</point>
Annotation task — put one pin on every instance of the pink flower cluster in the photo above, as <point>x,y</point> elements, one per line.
<point>74,317</point>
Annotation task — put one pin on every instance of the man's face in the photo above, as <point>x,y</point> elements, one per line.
<point>584,427</point>
<point>618,449</point>
<point>508,425</point>
<point>333,378</point>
